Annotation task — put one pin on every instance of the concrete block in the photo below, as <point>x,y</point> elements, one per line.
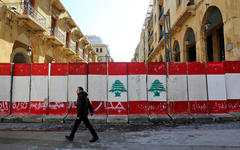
<point>159,118</point>
<point>2,117</point>
<point>53,119</point>
<point>32,119</point>
<point>116,119</point>
<point>236,115</point>
<point>201,118</point>
<point>222,117</point>
<point>98,119</point>
<point>181,118</point>
<point>138,119</point>
<point>13,119</point>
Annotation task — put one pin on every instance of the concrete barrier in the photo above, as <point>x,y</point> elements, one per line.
<point>216,88</point>
<point>233,85</point>
<point>177,88</point>
<point>197,88</point>
<point>97,87</point>
<point>5,88</point>
<point>137,91</point>
<point>77,77</point>
<point>117,91</point>
<point>21,89</point>
<point>39,89</point>
<point>58,89</point>
<point>156,83</point>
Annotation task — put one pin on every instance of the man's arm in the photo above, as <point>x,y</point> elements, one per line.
<point>90,106</point>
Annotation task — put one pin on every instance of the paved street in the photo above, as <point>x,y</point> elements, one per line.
<point>191,137</point>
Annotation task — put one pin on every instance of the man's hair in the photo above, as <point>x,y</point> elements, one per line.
<point>80,88</point>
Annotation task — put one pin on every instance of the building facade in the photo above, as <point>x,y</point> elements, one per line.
<point>41,31</point>
<point>201,30</point>
<point>101,49</point>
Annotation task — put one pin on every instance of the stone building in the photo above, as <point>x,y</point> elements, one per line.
<point>41,31</point>
<point>101,49</point>
<point>201,30</point>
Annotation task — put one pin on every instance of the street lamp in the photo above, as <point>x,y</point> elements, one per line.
<point>29,51</point>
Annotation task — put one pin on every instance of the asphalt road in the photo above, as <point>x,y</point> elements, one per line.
<point>225,136</point>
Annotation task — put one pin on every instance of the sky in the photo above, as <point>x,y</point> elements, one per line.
<point>117,22</point>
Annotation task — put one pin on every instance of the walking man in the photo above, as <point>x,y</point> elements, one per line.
<point>83,105</point>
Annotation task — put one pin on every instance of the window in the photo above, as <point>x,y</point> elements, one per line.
<point>100,50</point>
<point>179,2</point>
<point>68,38</point>
<point>53,25</point>
<point>97,50</point>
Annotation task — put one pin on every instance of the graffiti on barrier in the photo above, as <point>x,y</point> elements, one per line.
<point>18,106</point>
<point>4,106</point>
<point>56,105</point>
<point>116,106</point>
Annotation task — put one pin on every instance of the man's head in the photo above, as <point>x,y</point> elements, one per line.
<point>79,90</point>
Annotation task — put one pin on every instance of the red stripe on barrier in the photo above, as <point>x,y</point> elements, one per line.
<point>177,68</point>
<point>59,69</point>
<point>22,70</point>
<point>233,105</point>
<point>99,107</point>
<point>20,108</point>
<point>78,69</point>
<point>198,107</point>
<point>215,68</point>
<point>157,68</point>
<point>72,108</point>
<point>117,68</point>
<point>38,108</point>
<point>196,68</point>
<point>57,108</point>
<point>97,68</point>
<point>216,107</point>
<point>178,107</point>
<point>4,107</point>
<point>39,69</point>
<point>138,107</point>
<point>136,68</point>
<point>157,107</point>
<point>117,108</point>
<point>5,69</point>
<point>232,66</point>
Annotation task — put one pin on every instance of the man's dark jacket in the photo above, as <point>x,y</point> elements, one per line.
<point>83,105</point>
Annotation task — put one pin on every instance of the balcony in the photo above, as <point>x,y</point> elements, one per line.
<point>27,13</point>
<point>80,56</point>
<point>184,12</point>
<point>160,17</point>
<point>150,51</point>
<point>57,37</point>
<point>70,48</point>
<point>150,22</point>
<point>150,38</point>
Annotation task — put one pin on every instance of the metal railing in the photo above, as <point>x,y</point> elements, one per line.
<point>58,34</point>
<point>161,36</point>
<point>150,21</point>
<point>161,14</point>
<point>25,8</point>
<point>150,51</point>
<point>72,46</point>
<point>150,36</point>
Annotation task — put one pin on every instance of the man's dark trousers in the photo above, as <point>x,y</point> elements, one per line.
<point>88,125</point>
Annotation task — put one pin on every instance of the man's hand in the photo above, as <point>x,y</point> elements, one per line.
<point>92,114</point>
<point>78,118</point>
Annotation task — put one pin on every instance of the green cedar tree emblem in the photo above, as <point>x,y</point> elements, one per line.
<point>157,88</point>
<point>118,88</point>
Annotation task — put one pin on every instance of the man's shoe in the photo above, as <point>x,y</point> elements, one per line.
<point>69,138</point>
<point>93,140</point>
